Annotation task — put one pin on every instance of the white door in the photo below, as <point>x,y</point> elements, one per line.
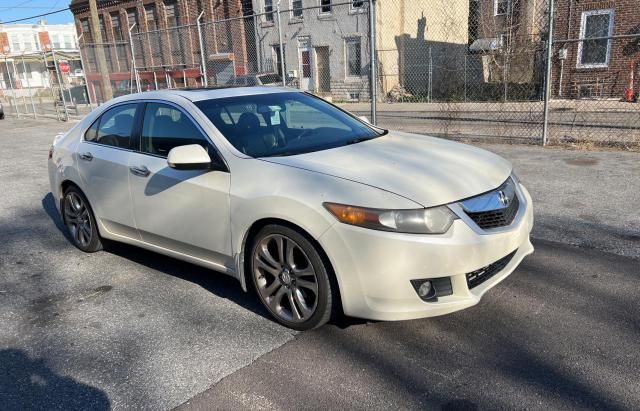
<point>305,59</point>
<point>181,210</point>
<point>103,165</point>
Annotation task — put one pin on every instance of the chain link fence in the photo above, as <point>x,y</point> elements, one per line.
<point>34,85</point>
<point>460,69</point>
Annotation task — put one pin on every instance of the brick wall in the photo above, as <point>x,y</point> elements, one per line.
<point>4,42</point>
<point>602,82</point>
<point>187,58</point>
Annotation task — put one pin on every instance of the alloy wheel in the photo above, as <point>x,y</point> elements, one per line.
<point>285,278</point>
<point>77,219</point>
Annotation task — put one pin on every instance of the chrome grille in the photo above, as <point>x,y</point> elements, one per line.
<point>477,277</point>
<point>496,218</point>
<point>497,208</point>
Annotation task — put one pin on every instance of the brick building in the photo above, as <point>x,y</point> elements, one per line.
<point>508,34</point>
<point>165,42</point>
<point>599,68</point>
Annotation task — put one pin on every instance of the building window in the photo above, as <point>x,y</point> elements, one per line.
<point>132,18</point>
<point>172,12</point>
<point>69,43</point>
<point>138,43</point>
<point>357,5</point>
<point>151,18</point>
<point>103,29</point>
<point>268,9</point>
<point>501,7</point>
<point>121,47</point>
<point>353,57</point>
<point>86,30</point>
<point>24,72</point>
<point>27,42</point>
<point>296,9</point>
<point>595,25</point>
<point>325,6</point>
<point>277,56</point>
<point>56,41</point>
<point>115,26</point>
<point>15,43</point>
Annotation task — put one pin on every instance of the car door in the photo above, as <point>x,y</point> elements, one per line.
<point>103,164</point>
<point>182,210</point>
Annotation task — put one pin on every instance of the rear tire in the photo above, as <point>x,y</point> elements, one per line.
<point>290,278</point>
<point>79,220</point>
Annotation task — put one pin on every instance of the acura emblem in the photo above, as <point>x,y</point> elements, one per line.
<point>502,197</point>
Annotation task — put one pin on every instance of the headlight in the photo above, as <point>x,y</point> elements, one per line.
<point>436,220</point>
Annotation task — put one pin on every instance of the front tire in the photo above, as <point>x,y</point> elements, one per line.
<point>290,278</point>
<point>80,222</point>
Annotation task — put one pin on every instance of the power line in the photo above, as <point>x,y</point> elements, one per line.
<point>35,17</point>
<point>51,12</point>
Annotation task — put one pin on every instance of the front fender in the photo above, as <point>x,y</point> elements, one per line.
<point>263,190</point>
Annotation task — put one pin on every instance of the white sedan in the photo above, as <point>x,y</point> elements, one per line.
<point>313,208</point>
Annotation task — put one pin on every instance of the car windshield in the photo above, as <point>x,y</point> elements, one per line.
<point>283,124</point>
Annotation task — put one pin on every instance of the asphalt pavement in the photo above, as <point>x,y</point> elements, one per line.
<point>127,328</point>
<point>560,333</point>
<point>120,329</point>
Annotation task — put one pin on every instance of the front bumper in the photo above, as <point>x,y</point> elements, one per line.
<point>374,268</point>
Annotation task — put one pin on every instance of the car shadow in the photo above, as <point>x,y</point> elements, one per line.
<point>49,206</point>
<point>27,383</point>
<point>221,285</point>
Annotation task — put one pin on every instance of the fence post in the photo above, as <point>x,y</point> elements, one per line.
<point>24,99</point>
<point>373,81</point>
<point>26,77</point>
<point>256,35</point>
<point>59,77</point>
<point>465,77</point>
<point>429,84</point>
<point>46,69</point>
<point>547,78</point>
<point>282,68</point>
<point>13,92</point>
<point>203,62</point>
<point>133,59</point>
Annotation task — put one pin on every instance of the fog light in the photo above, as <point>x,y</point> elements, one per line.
<point>425,289</point>
<point>429,289</point>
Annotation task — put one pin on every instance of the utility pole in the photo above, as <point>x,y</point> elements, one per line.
<point>100,57</point>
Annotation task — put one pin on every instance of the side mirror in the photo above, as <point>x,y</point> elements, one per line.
<point>365,119</point>
<point>189,157</point>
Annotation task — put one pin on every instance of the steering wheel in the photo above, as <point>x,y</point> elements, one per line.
<point>305,132</point>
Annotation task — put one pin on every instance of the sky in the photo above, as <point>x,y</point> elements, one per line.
<point>17,9</point>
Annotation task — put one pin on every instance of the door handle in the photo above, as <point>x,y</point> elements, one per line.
<point>141,171</point>
<point>86,156</point>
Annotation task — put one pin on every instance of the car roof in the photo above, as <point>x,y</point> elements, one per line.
<point>209,93</point>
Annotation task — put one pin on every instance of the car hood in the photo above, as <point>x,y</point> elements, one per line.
<point>427,170</point>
